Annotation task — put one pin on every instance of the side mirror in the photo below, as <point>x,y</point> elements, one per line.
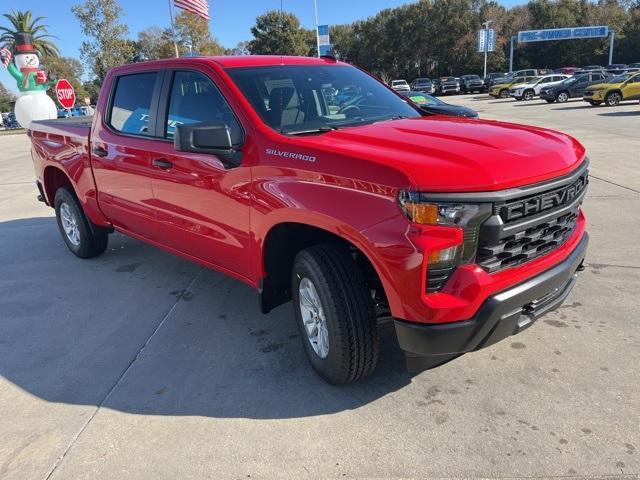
<point>211,138</point>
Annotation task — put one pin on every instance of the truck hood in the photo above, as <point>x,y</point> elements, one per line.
<point>443,154</point>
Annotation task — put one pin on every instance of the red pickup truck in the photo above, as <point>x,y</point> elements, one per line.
<point>312,181</point>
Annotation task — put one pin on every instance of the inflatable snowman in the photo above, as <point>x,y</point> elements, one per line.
<point>33,102</point>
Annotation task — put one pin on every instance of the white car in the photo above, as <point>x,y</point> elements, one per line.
<point>526,91</point>
<point>400,85</point>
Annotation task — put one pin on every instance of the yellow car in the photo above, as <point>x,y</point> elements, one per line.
<point>501,90</point>
<point>619,88</point>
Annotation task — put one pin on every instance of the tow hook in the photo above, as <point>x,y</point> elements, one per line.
<point>581,267</point>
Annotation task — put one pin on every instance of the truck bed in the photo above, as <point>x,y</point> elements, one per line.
<point>75,127</point>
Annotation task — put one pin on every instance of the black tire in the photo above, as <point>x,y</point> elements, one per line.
<point>528,95</point>
<point>562,97</point>
<point>348,311</point>
<point>85,242</point>
<point>613,99</point>
<point>504,93</point>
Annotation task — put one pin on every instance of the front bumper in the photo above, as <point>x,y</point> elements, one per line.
<point>500,316</point>
<point>547,95</point>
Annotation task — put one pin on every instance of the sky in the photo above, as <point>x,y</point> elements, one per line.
<point>231,20</point>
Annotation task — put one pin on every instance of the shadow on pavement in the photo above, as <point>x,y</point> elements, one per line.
<point>144,332</point>
<point>620,114</point>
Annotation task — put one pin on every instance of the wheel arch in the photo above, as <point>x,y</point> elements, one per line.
<point>53,179</point>
<point>281,242</point>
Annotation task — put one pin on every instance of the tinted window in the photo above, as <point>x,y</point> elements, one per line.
<point>303,98</point>
<point>195,99</point>
<point>132,103</point>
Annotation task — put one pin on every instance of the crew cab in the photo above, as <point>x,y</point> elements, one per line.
<point>400,85</point>
<point>471,83</point>
<point>448,85</point>
<point>572,87</point>
<point>461,232</point>
<point>615,90</point>
<point>527,91</point>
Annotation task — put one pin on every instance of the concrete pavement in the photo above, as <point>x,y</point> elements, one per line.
<point>138,364</point>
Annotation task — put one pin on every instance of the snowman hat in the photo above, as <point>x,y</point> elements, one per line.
<point>24,43</point>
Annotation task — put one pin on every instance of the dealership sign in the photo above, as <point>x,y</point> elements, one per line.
<point>486,40</point>
<point>574,33</point>
<point>324,44</point>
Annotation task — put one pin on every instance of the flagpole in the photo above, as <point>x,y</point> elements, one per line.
<point>315,9</point>
<point>173,30</point>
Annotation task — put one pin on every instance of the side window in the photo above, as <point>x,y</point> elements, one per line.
<point>195,99</point>
<point>131,104</point>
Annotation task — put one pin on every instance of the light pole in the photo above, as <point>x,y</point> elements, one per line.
<point>315,10</point>
<point>486,44</point>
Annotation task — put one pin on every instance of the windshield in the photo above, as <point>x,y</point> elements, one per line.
<point>314,98</point>
<point>423,81</point>
<point>399,82</point>
<point>570,80</point>
<point>619,78</point>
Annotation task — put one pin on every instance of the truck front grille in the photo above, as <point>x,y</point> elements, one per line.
<point>529,226</point>
<point>527,244</point>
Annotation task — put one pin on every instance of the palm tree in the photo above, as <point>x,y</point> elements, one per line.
<point>22,22</point>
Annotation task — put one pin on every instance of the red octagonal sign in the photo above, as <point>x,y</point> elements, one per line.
<point>65,93</point>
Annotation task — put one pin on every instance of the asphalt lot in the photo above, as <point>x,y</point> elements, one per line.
<point>138,364</point>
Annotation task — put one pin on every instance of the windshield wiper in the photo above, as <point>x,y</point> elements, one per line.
<point>309,131</point>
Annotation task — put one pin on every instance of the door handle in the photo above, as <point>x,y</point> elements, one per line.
<point>162,163</point>
<point>100,151</point>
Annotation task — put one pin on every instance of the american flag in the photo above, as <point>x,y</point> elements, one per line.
<point>199,7</point>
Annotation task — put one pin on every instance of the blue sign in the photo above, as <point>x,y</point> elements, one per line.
<point>572,33</point>
<point>324,44</point>
<point>486,40</point>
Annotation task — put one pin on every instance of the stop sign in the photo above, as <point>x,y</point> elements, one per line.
<point>65,93</point>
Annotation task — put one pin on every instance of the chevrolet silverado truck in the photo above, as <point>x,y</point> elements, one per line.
<point>461,232</point>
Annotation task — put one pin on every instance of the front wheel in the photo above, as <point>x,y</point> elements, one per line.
<point>504,94</point>
<point>562,97</point>
<point>528,95</point>
<point>75,227</point>
<point>613,99</point>
<point>335,314</point>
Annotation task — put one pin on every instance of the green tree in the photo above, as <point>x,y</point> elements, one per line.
<point>154,43</point>
<point>106,46</point>
<point>7,99</point>
<point>194,30</point>
<point>277,33</point>
<point>23,22</point>
<point>69,69</point>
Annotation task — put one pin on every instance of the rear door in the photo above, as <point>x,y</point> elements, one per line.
<point>577,88</point>
<point>202,206</point>
<point>120,142</point>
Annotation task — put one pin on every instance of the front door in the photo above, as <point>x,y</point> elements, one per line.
<point>631,90</point>
<point>203,207</point>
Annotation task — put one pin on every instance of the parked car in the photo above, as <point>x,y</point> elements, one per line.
<point>572,87</point>
<point>400,85</point>
<point>447,85</point>
<point>424,85</point>
<point>501,90</point>
<point>617,89</point>
<point>634,66</point>
<point>567,70</point>
<point>617,68</point>
<point>592,67</point>
<point>461,232</point>
<point>531,89</point>
<point>493,78</point>
<point>471,84</point>
<point>530,72</point>
<point>435,105</point>
<point>10,122</point>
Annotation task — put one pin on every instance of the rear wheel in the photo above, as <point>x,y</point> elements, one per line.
<point>562,97</point>
<point>335,314</point>
<point>613,99</point>
<point>528,95</point>
<point>81,239</point>
<point>504,93</point>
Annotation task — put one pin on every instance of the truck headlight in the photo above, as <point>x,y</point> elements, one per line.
<point>468,217</point>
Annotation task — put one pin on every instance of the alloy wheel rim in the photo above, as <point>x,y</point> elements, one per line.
<point>614,99</point>
<point>562,97</point>
<point>70,224</point>
<point>313,318</point>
